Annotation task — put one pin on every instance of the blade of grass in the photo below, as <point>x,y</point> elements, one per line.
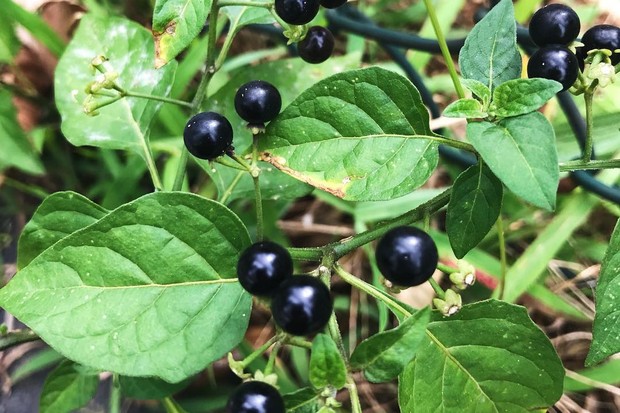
<point>36,26</point>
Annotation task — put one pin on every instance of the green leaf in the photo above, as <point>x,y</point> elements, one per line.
<point>240,16</point>
<point>521,153</point>
<point>175,24</point>
<point>521,96</point>
<point>9,43</point>
<point>478,89</point>
<point>129,48</point>
<point>385,355</point>
<point>304,400</point>
<point>149,388</point>
<point>465,108</point>
<point>606,330</point>
<point>489,357</point>
<point>474,206</point>
<point>490,54</point>
<point>326,364</point>
<point>148,290</point>
<point>16,150</point>
<point>59,215</point>
<point>67,388</point>
<point>291,77</point>
<point>356,135</point>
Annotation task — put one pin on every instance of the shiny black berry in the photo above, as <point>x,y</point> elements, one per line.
<point>297,11</point>
<point>603,36</point>
<point>208,135</point>
<point>255,397</point>
<point>317,46</point>
<point>258,102</point>
<point>302,305</point>
<point>406,256</point>
<point>554,24</point>
<point>555,63</point>
<point>263,266</point>
<point>332,4</point>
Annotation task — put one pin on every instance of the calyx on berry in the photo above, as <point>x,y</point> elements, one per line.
<point>208,135</point>
<point>407,256</point>
<point>258,102</point>
<point>255,397</point>
<point>602,36</point>
<point>302,305</point>
<point>263,266</point>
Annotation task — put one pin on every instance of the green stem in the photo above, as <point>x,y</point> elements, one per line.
<point>115,395</point>
<point>587,152</point>
<point>502,255</point>
<point>16,337</point>
<point>224,160</point>
<point>298,342</point>
<point>372,291</point>
<point>255,172</point>
<point>201,91</point>
<point>20,186</point>
<point>259,351</point>
<point>171,406</point>
<point>356,406</point>
<point>158,98</point>
<point>232,186</point>
<point>597,164</point>
<point>246,166</point>
<point>272,358</point>
<point>306,254</point>
<point>150,164</point>
<point>432,14</point>
<point>446,269</point>
<point>438,290</point>
<point>249,3</point>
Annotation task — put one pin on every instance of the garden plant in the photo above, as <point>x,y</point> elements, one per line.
<point>195,143</point>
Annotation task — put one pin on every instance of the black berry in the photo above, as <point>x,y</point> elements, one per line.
<point>554,24</point>
<point>208,135</point>
<point>317,46</point>
<point>603,36</point>
<point>258,102</point>
<point>332,4</point>
<point>302,305</point>
<point>555,63</point>
<point>407,256</point>
<point>255,397</point>
<point>263,266</point>
<point>297,11</point>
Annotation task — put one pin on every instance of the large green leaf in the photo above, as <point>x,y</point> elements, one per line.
<point>175,24</point>
<point>473,209</point>
<point>521,153</point>
<point>385,355</point>
<point>606,330</point>
<point>326,364</point>
<point>129,48</point>
<point>356,135</point>
<point>304,400</point>
<point>59,215</point>
<point>291,77</point>
<point>489,357</point>
<point>490,54</point>
<point>148,290</point>
<point>16,150</point>
<point>67,388</point>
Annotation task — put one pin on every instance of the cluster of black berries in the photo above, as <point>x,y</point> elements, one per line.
<point>209,135</point>
<point>301,305</point>
<point>554,28</point>
<point>407,256</point>
<point>318,44</point>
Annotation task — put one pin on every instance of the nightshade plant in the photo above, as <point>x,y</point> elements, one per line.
<point>148,290</point>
